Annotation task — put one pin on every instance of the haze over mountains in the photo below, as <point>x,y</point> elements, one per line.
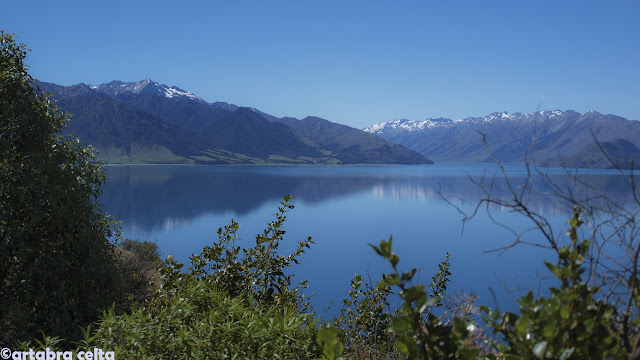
<point>148,122</point>
<point>556,138</point>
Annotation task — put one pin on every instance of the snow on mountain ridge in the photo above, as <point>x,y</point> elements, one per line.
<point>408,125</point>
<point>173,91</point>
<point>430,123</point>
<point>148,86</point>
<point>145,86</point>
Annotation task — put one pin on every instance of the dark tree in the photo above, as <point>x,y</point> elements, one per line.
<point>57,265</point>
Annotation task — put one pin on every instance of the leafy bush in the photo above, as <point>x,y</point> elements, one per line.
<point>418,333</point>
<point>192,315</point>
<point>138,264</point>
<point>260,272</point>
<point>56,261</point>
<point>364,321</point>
<point>222,307</point>
<point>145,251</point>
<point>201,322</point>
<point>57,269</point>
<point>571,324</point>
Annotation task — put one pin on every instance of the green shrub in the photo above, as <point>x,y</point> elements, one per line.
<point>58,268</point>
<point>223,306</point>
<point>56,261</point>
<point>138,262</point>
<point>145,251</point>
<point>418,333</point>
<point>573,323</point>
<point>259,271</point>
<point>364,321</point>
<point>570,324</point>
<point>198,321</point>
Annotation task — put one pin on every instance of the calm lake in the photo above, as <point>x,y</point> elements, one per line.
<point>344,208</point>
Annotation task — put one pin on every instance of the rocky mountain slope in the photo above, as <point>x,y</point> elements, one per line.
<point>148,122</point>
<point>555,138</point>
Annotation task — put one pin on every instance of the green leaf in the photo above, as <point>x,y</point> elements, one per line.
<point>401,325</point>
<point>413,293</point>
<point>408,276</point>
<point>385,248</point>
<point>402,347</point>
<point>394,259</point>
<point>566,354</point>
<point>329,351</point>
<point>539,349</point>
<point>521,325</point>
<point>327,335</point>
<point>376,249</point>
<point>547,331</point>
<point>460,326</point>
<point>393,280</point>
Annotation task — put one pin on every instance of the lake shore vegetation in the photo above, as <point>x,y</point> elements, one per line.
<point>66,285</point>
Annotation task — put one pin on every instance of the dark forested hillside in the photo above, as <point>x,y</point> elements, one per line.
<point>147,122</point>
<point>246,131</point>
<point>352,145</point>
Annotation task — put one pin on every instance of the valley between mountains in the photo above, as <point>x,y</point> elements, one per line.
<point>150,123</point>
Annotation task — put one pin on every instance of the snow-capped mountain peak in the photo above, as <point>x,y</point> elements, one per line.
<point>496,117</point>
<point>591,113</point>
<point>552,137</point>
<point>146,86</point>
<point>407,125</point>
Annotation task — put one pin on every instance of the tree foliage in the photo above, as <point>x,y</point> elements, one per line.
<point>200,321</point>
<point>420,334</point>
<point>594,311</point>
<point>570,324</point>
<point>58,268</point>
<point>258,272</point>
<point>364,320</point>
<point>232,302</point>
<point>57,265</point>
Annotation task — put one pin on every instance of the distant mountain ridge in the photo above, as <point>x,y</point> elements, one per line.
<point>557,137</point>
<point>146,86</point>
<point>148,122</point>
<point>496,117</point>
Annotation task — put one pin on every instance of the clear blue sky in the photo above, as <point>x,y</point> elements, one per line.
<point>352,62</point>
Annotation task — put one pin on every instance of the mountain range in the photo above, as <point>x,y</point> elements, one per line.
<point>550,138</point>
<point>148,122</point>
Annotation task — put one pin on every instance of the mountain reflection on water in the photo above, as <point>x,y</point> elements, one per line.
<point>150,197</point>
<point>145,197</point>
<point>344,208</point>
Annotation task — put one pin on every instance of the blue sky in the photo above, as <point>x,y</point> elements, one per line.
<point>352,62</point>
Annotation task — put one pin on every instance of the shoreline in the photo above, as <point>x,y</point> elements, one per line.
<point>359,164</point>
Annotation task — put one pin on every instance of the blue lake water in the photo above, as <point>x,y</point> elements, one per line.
<point>345,208</point>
